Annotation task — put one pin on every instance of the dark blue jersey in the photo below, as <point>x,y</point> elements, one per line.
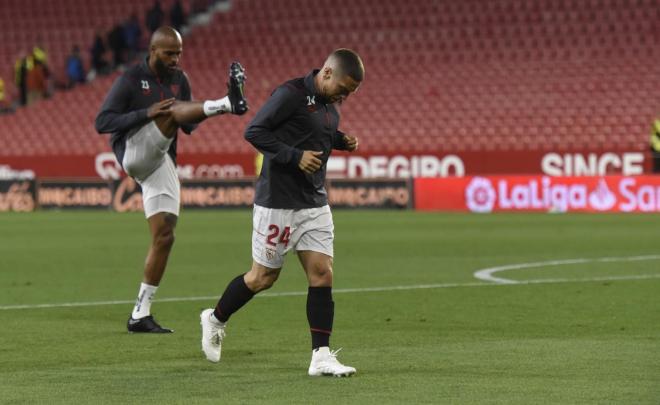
<point>294,119</point>
<point>124,110</point>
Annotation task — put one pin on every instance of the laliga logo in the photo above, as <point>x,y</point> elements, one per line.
<point>602,199</point>
<point>480,195</point>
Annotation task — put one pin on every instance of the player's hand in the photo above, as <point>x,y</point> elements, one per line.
<point>310,161</point>
<point>160,108</point>
<point>351,143</point>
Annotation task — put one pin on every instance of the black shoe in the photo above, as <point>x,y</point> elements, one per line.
<point>145,325</point>
<point>235,92</point>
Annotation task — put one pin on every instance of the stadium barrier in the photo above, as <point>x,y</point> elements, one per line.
<point>480,194</point>
<point>125,195</point>
<point>18,196</point>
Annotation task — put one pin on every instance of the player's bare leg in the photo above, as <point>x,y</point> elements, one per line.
<point>161,224</point>
<point>193,112</point>
<point>161,227</point>
<point>167,125</point>
<point>185,112</point>
<point>260,277</point>
<point>318,268</point>
<point>320,315</point>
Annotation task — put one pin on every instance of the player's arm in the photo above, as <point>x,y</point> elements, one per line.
<point>341,141</point>
<point>113,116</point>
<point>260,131</point>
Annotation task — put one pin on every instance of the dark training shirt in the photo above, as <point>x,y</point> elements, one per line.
<point>124,110</point>
<point>294,119</point>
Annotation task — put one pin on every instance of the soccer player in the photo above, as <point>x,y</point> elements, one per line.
<point>144,110</point>
<point>296,131</point>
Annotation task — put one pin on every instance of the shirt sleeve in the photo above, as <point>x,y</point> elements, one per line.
<point>186,95</point>
<point>260,132</point>
<point>338,141</point>
<point>114,116</point>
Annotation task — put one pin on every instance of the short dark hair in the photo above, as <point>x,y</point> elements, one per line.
<point>350,63</point>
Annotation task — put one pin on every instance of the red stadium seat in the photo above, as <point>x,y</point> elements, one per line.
<point>452,75</point>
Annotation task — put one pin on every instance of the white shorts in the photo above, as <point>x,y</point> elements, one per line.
<point>276,231</point>
<point>147,161</point>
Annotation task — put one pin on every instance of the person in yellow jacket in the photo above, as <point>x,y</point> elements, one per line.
<point>655,146</point>
<point>5,104</point>
<point>21,68</point>
<point>40,55</point>
<point>258,162</point>
<point>3,97</point>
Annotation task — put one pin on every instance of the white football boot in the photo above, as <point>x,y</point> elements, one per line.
<point>324,362</point>
<point>212,335</point>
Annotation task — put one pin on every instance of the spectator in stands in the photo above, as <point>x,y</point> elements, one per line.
<point>40,56</point>
<point>655,146</point>
<point>21,67</point>
<point>41,60</point>
<point>5,105</point>
<point>177,16</point>
<point>144,111</point>
<point>75,71</point>
<point>199,6</point>
<point>117,45</point>
<point>37,86</point>
<point>100,63</point>
<point>154,17</point>
<point>133,36</point>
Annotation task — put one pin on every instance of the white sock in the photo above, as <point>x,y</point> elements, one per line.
<point>143,303</point>
<point>215,107</point>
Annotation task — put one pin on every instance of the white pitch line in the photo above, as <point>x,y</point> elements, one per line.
<point>487,274</point>
<point>346,291</point>
<point>586,280</point>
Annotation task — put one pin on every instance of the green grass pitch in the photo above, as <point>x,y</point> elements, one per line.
<point>576,333</point>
